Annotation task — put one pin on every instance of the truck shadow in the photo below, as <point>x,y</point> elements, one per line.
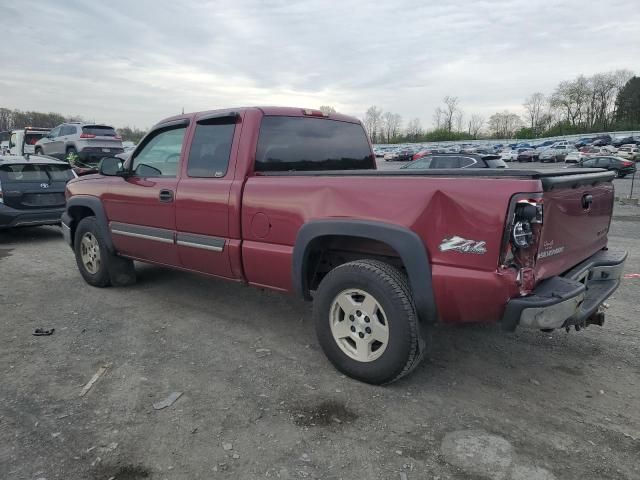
<point>27,235</point>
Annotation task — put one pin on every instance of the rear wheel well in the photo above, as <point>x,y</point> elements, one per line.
<point>330,251</point>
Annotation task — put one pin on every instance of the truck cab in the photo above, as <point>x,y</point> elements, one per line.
<point>22,141</point>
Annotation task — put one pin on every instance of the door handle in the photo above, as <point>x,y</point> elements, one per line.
<point>166,196</point>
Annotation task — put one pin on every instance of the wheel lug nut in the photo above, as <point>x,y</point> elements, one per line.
<point>359,313</point>
<point>361,335</point>
<point>368,330</point>
<point>367,319</point>
<point>353,329</point>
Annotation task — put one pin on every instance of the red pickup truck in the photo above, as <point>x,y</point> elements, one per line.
<point>289,199</point>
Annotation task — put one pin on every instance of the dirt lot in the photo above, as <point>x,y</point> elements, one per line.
<point>261,401</point>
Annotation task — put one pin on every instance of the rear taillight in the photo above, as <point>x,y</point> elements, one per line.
<point>1,197</point>
<point>522,230</point>
<point>117,137</point>
<point>87,135</point>
<point>627,164</point>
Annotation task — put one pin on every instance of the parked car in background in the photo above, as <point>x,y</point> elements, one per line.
<point>82,144</point>
<point>544,145</point>
<point>456,160</point>
<point>32,190</point>
<point>574,156</point>
<point>561,152</point>
<point>629,152</point>
<point>620,141</point>
<point>561,143</point>
<point>528,155</point>
<point>583,142</point>
<point>23,140</point>
<point>548,155</point>
<point>509,155</point>
<point>592,151</point>
<point>404,155</point>
<point>602,140</point>
<point>390,156</point>
<point>620,166</point>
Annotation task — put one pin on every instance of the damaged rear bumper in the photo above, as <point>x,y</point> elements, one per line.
<point>571,299</point>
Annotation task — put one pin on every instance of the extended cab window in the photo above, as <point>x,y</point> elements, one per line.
<point>302,143</point>
<point>210,148</point>
<point>160,155</point>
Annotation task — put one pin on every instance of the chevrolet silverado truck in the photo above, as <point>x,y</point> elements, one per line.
<point>289,200</point>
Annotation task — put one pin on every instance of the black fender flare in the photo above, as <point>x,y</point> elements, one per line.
<point>95,205</point>
<point>405,242</point>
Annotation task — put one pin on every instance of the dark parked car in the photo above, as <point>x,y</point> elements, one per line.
<point>602,140</point>
<point>457,160</point>
<point>528,155</point>
<point>32,190</point>
<point>583,142</point>
<point>618,142</point>
<point>619,165</point>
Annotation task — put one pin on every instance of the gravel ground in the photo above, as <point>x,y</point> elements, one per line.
<point>259,400</point>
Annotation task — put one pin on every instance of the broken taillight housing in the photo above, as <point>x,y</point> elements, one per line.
<point>522,230</point>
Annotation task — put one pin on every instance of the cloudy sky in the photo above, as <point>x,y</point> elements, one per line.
<point>135,62</point>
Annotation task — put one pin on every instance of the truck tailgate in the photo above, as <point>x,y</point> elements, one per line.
<point>576,218</point>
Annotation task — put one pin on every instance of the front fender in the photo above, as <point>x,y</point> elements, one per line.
<point>74,212</point>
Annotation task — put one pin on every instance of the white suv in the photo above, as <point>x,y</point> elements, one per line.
<point>82,143</point>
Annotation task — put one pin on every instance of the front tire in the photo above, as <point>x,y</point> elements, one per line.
<point>97,265</point>
<point>366,322</point>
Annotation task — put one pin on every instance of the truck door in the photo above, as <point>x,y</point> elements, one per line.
<point>202,201</point>
<point>141,206</point>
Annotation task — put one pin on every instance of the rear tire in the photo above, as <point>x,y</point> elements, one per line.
<point>381,340</point>
<point>38,151</point>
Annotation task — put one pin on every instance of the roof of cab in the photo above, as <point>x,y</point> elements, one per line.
<point>276,111</point>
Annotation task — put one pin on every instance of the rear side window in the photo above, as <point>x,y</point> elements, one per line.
<point>210,149</point>
<point>302,143</point>
<point>68,130</point>
<point>99,131</point>
<point>32,137</point>
<point>496,163</point>
<point>29,172</point>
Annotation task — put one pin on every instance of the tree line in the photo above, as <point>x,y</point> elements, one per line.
<point>14,119</point>
<point>603,102</point>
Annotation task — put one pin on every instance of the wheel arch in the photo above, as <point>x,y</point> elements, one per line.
<point>81,206</point>
<point>406,243</point>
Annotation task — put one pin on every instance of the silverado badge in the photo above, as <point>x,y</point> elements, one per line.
<point>463,245</point>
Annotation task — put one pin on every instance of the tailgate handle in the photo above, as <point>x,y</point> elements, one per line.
<point>587,200</point>
<point>166,196</point>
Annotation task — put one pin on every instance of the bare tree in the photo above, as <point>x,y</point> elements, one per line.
<point>373,123</point>
<point>396,125</point>
<point>327,109</point>
<point>475,125</point>
<point>504,124</point>
<point>458,120</point>
<point>391,123</point>
<point>534,107</point>
<point>438,118</point>
<point>414,129</point>
<point>450,109</point>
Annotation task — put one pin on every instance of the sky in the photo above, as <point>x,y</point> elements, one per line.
<point>132,63</point>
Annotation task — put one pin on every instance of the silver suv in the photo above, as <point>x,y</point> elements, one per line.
<point>83,143</point>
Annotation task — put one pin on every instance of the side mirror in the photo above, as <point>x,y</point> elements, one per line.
<point>111,166</point>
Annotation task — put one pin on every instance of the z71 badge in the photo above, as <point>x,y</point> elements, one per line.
<point>463,245</point>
